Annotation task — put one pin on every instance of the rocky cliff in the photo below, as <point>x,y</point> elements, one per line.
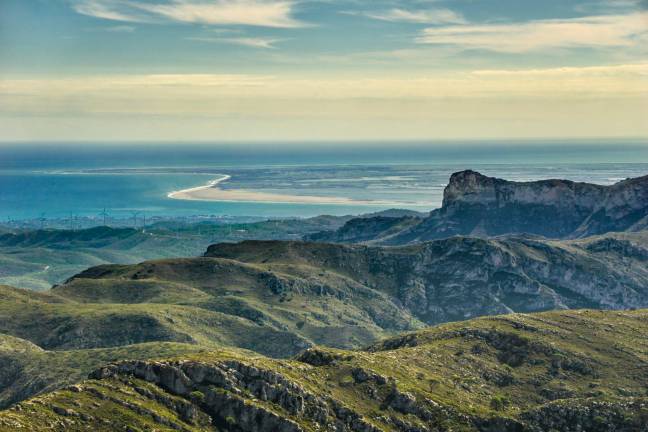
<point>477,205</point>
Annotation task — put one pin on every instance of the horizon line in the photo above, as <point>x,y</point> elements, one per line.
<point>292,141</point>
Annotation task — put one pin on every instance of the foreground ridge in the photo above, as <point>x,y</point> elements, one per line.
<point>567,371</point>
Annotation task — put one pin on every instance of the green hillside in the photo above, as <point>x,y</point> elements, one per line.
<point>28,370</point>
<point>190,304</point>
<point>558,371</point>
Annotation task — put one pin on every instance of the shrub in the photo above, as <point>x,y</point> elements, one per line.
<point>500,402</point>
<point>197,396</point>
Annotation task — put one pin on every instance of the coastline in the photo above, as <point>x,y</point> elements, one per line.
<point>186,193</point>
<point>211,192</point>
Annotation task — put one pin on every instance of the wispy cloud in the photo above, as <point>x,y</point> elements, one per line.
<point>611,6</point>
<point>427,16</point>
<point>264,13</point>
<point>624,71</point>
<point>120,29</point>
<point>107,10</point>
<point>593,31</point>
<point>252,42</point>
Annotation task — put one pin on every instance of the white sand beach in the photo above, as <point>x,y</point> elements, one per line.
<point>212,192</point>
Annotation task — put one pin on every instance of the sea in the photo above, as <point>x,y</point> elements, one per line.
<point>55,180</point>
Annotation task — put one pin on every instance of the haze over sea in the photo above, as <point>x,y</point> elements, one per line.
<point>60,179</point>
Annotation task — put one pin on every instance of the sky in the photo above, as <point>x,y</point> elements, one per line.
<point>322,70</point>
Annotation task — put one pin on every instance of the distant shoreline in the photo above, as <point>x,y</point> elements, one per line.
<point>212,192</point>
<point>184,193</point>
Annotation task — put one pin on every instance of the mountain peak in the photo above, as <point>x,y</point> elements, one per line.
<point>469,183</point>
<point>478,205</point>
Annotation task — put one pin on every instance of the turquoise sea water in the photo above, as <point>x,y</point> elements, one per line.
<point>60,179</point>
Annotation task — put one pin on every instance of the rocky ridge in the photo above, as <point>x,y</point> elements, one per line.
<point>477,205</point>
<point>459,278</point>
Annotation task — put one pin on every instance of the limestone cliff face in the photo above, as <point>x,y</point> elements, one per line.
<point>474,204</point>
<point>470,187</point>
<point>477,205</point>
<point>624,207</point>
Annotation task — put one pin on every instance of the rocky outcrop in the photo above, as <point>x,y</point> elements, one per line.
<point>242,397</point>
<point>316,357</point>
<point>227,391</point>
<point>477,205</point>
<point>474,204</point>
<point>589,415</point>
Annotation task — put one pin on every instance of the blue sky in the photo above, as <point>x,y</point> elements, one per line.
<point>329,69</point>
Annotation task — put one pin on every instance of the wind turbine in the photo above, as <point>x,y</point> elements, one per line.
<point>104,213</point>
<point>42,220</point>
<point>135,214</point>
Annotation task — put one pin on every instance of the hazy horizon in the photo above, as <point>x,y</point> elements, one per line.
<point>359,142</point>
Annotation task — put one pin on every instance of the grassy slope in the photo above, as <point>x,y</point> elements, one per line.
<point>205,302</point>
<point>61,324</point>
<point>208,301</point>
<point>314,304</point>
<point>505,373</point>
<point>286,297</point>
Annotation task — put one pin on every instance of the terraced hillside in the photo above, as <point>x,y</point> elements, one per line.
<point>560,371</point>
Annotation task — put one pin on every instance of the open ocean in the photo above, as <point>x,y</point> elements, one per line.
<point>57,180</point>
